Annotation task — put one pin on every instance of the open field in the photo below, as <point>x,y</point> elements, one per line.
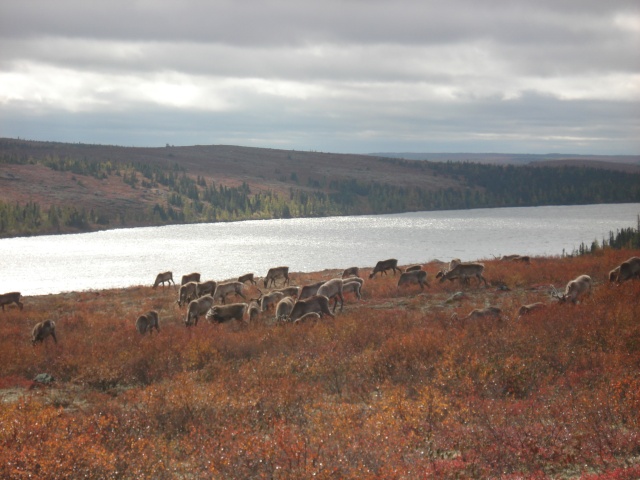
<point>393,387</point>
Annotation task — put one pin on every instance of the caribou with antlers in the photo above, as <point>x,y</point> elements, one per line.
<point>575,290</point>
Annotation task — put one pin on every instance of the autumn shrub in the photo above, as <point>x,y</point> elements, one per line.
<point>390,388</point>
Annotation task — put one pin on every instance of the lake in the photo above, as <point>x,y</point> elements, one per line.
<point>126,257</point>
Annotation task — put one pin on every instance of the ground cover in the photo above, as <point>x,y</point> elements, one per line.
<point>393,387</point>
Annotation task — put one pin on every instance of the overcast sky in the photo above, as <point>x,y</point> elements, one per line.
<point>352,76</point>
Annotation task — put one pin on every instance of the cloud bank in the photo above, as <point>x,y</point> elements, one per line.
<point>339,75</point>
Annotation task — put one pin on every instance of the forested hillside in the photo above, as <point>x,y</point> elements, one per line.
<point>57,188</point>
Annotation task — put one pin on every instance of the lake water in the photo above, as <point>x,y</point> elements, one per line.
<point>126,257</point>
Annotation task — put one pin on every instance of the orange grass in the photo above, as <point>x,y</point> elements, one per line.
<point>392,388</point>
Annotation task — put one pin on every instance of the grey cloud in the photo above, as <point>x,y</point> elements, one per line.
<point>338,75</point>
<point>294,22</point>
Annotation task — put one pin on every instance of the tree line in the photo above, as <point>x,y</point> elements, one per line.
<point>625,238</point>
<point>194,200</point>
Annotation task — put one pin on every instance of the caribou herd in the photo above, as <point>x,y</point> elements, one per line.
<point>299,303</point>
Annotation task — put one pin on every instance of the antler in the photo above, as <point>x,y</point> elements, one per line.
<point>556,294</point>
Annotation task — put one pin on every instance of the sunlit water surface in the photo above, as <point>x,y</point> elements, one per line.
<point>126,257</point>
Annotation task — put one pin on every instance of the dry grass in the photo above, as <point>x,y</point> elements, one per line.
<point>392,388</point>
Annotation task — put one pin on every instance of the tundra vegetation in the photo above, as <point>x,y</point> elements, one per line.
<point>390,388</point>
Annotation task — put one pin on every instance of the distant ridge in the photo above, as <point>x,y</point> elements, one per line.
<point>54,187</point>
<point>513,158</point>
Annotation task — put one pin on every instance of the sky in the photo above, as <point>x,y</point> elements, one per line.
<point>347,76</point>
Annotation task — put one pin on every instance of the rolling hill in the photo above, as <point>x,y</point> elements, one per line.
<point>51,187</point>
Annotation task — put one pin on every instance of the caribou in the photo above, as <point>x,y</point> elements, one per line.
<point>453,264</point>
<point>413,277</point>
<point>253,310</point>
<point>206,288</point>
<point>9,298</point>
<point>284,308</point>
<point>224,289</point>
<point>42,330</point>
<point>575,289</point>
<point>613,274</point>
<point>309,290</point>
<point>383,265</point>
<point>532,307</point>
<point>196,308</point>
<point>226,313</point>
<point>480,313</point>
<point>516,258</point>
<point>289,291</point>
<point>190,277</point>
<point>413,268</point>
<point>332,289</point>
<point>465,271</point>
<point>247,277</point>
<point>317,303</point>
<point>271,298</point>
<point>306,317</point>
<point>164,277</point>
<point>352,286</point>
<point>351,271</point>
<point>147,322</point>
<point>187,292</point>
<point>629,269</point>
<point>275,273</point>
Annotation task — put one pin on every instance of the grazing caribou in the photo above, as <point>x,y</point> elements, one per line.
<point>413,268</point>
<point>532,307</point>
<point>206,288</point>
<point>190,277</point>
<point>274,273</point>
<point>164,277</point>
<point>318,304</point>
<point>247,277</point>
<point>196,308</point>
<point>332,289</point>
<point>480,313</point>
<point>383,265</point>
<point>575,290</point>
<point>254,310</point>
<point>9,298</point>
<point>187,292</point>
<point>42,330</point>
<point>453,264</point>
<point>309,290</point>
<point>413,277</point>
<point>352,286</point>
<point>226,313</point>
<point>516,258</point>
<point>147,322</point>
<point>284,308</point>
<point>629,269</point>
<point>351,271</point>
<point>271,298</point>
<point>613,274</point>
<point>289,291</point>
<point>307,317</point>
<point>224,289</point>
<point>464,271</point>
